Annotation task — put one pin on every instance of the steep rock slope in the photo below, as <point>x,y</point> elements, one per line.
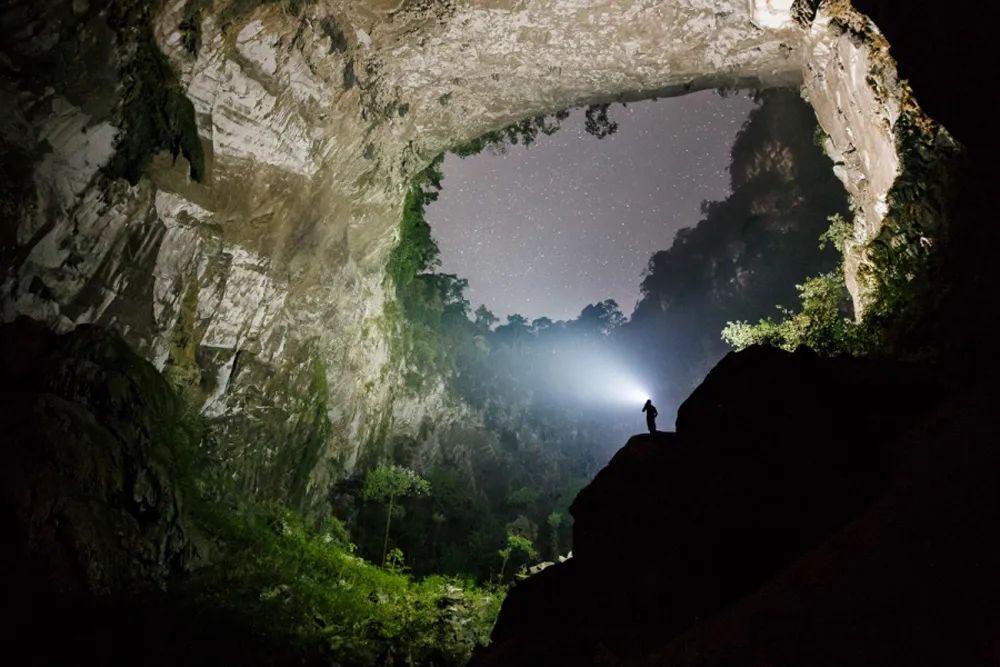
<point>765,530</point>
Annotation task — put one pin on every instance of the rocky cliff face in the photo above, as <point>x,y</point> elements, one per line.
<point>250,267</point>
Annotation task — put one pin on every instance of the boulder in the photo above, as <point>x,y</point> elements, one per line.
<point>774,453</point>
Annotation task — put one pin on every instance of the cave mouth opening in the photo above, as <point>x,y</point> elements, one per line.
<point>543,223</point>
<point>297,409</point>
<point>547,400</point>
<point>599,252</point>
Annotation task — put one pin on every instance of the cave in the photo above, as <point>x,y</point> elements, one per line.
<point>206,259</point>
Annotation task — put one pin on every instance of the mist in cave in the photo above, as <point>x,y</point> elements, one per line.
<point>561,393</point>
<point>614,263</point>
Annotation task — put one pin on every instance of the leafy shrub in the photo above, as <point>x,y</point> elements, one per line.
<point>309,586</point>
<point>515,544</point>
<point>820,323</point>
<point>823,320</point>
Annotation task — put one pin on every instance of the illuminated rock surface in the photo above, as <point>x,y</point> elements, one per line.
<point>263,286</point>
<point>261,290</point>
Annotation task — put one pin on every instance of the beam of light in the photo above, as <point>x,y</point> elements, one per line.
<point>627,390</point>
<point>591,375</point>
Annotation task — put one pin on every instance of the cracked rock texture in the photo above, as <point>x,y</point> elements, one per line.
<point>261,288</point>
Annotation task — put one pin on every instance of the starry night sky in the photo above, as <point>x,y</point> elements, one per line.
<point>573,220</point>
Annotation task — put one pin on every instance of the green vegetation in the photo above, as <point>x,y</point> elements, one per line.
<point>181,369</point>
<point>386,484</point>
<point>523,133</point>
<point>900,275</point>
<point>430,308</point>
<point>304,588</point>
<point>154,113</point>
<point>308,589</point>
<point>416,251</point>
<point>901,272</point>
<point>459,525</point>
<point>822,321</point>
<point>554,520</point>
<point>515,544</point>
<point>598,124</point>
<point>190,25</point>
<point>501,485</point>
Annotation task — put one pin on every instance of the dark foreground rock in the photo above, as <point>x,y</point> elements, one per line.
<point>98,541</point>
<point>807,511</point>
<point>89,494</point>
<point>90,504</point>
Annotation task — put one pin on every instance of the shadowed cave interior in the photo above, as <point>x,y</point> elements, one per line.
<point>324,324</point>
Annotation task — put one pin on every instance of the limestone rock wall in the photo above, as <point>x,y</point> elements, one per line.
<point>875,132</point>
<point>261,289</point>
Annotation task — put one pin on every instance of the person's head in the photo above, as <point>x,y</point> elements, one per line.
<point>649,402</point>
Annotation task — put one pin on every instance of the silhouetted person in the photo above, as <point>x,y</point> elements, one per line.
<point>651,413</point>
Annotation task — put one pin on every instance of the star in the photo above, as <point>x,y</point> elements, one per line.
<point>572,220</point>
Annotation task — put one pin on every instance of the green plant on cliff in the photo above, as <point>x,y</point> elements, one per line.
<point>900,276</point>
<point>523,132</point>
<point>903,272</point>
<point>190,25</point>
<point>428,320</point>
<point>181,369</point>
<point>415,251</point>
<point>822,321</point>
<point>526,131</point>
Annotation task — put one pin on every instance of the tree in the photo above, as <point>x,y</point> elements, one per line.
<point>515,330</point>
<point>540,324</point>
<point>485,319</point>
<point>385,484</point>
<point>597,122</point>
<point>603,318</point>
<point>555,520</point>
<point>515,543</point>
